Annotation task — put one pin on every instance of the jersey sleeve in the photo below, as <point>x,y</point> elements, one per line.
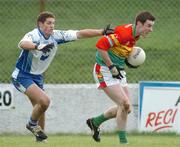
<point>104,43</point>
<point>65,36</point>
<point>27,37</point>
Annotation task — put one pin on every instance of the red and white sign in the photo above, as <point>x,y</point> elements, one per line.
<point>159,107</point>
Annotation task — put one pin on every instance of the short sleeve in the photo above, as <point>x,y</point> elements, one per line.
<point>65,36</point>
<point>27,37</point>
<point>104,43</point>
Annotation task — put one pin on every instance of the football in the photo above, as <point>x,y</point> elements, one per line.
<point>136,57</point>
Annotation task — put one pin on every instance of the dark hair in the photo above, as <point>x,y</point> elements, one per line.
<point>43,16</point>
<point>143,16</point>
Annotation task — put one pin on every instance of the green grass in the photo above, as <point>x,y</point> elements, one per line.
<point>74,61</point>
<point>135,140</point>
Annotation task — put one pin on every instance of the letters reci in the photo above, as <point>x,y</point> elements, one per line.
<point>6,96</point>
<point>159,106</point>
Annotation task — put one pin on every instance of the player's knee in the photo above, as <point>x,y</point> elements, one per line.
<point>127,107</point>
<point>45,102</point>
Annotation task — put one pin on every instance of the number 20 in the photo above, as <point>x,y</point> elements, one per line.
<point>5,98</point>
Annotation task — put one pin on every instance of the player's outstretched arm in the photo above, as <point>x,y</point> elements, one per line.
<point>87,33</point>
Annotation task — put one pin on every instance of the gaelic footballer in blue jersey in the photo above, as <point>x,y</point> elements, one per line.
<point>38,48</point>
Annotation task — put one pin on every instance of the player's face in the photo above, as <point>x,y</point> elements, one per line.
<point>146,28</point>
<point>48,26</point>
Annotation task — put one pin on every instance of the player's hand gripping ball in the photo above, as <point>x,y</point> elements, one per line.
<point>136,58</point>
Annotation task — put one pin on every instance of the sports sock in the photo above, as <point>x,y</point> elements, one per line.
<point>33,122</point>
<point>99,120</point>
<point>122,137</point>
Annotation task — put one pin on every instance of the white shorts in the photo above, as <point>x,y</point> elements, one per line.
<point>103,77</point>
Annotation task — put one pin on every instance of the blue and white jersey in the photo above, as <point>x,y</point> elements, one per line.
<point>36,62</point>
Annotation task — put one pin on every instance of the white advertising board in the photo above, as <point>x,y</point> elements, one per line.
<point>159,106</point>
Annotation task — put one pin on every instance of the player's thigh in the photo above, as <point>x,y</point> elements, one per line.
<point>126,90</point>
<point>26,85</point>
<point>36,94</point>
<point>117,94</point>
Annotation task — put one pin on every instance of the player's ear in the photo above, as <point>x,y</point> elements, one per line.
<point>139,23</point>
<point>40,24</point>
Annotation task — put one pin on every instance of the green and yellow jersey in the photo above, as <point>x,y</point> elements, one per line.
<point>118,45</point>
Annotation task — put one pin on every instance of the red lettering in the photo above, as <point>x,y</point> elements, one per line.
<point>151,117</point>
<point>159,117</point>
<point>168,115</point>
<point>174,115</point>
<point>162,119</point>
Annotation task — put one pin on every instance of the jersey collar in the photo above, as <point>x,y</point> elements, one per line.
<point>42,33</point>
<point>134,30</point>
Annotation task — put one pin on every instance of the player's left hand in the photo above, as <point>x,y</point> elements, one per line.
<point>108,30</point>
<point>115,71</point>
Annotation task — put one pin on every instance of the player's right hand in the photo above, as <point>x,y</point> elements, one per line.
<point>45,47</point>
<point>108,30</point>
<point>115,72</point>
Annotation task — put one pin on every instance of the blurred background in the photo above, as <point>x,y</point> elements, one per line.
<point>74,61</point>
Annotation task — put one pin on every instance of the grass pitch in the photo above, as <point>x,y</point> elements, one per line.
<point>135,140</point>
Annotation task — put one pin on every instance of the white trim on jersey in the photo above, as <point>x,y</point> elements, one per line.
<point>110,41</point>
